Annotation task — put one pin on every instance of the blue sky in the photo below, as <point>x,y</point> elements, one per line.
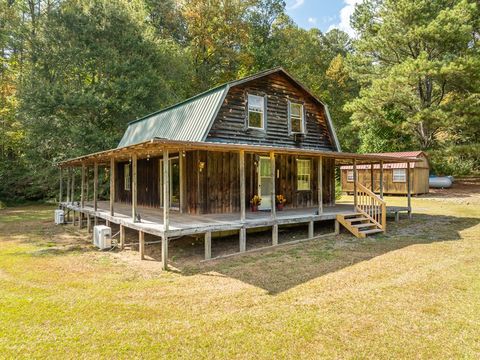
<point>322,14</point>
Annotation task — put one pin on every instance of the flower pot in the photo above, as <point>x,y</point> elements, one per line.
<point>254,208</point>
<point>280,207</point>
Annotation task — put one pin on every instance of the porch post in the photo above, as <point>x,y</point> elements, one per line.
<point>409,191</point>
<point>320,185</point>
<point>381,179</point>
<point>60,195</point>
<point>134,188</point>
<point>242,185</point>
<point>69,173</point>
<point>122,236</point>
<point>166,208</point>
<point>208,245</point>
<point>355,184</point>
<point>73,186</point>
<point>274,200</point>
<point>87,183</point>
<point>181,160</point>
<point>95,186</point>
<point>372,186</point>
<point>272,193</point>
<point>141,244</point>
<point>82,189</point>
<point>112,184</point>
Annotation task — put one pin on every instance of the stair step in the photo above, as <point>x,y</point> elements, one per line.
<point>372,231</point>
<point>364,225</point>
<point>357,219</point>
<point>347,216</point>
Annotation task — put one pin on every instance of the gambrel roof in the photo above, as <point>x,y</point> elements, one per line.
<point>192,119</point>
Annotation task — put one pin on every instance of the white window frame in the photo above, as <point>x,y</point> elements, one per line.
<point>127,178</point>
<point>262,112</point>
<point>349,175</point>
<point>307,174</point>
<point>399,178</point>
<point>302,117</point>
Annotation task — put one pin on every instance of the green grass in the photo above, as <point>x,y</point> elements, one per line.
<point>412,293</point>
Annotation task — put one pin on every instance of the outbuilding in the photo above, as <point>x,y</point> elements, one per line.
<point>394,175</point>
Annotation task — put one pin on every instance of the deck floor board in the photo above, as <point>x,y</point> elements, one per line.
<point>187,224</point>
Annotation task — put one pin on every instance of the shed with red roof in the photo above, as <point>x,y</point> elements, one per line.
<point>394,175</point>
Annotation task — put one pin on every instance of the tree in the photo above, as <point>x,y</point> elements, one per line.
<point>216,33</point>
<point>415,61</point>
<point>95,66</point>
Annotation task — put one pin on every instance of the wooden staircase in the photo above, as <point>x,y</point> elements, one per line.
<point>370,217</point>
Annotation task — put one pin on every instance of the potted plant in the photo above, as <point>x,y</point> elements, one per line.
<point>255,202</point>
<point>280,200</point>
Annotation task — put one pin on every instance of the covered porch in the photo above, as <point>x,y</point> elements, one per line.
<point>169,223</point>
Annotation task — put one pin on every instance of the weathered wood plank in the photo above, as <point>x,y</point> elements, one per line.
<point>242,185</point>
<point>141,244</point>
<point>112,185</point>
<point>95,186</point>
<point>134,187</point>
<point>208,245</point>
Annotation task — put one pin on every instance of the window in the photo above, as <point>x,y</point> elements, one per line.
<point>303,174</point>
<point>256,109</point>
<point>126,177</point>
<point>399,175</point>
<point>297,123</point>
<point>350,176</point>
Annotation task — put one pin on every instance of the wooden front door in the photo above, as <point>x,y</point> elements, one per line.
<point>265,183</point>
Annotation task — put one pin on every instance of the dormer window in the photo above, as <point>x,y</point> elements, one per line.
<point>296,118</point>
<point>256,112</point>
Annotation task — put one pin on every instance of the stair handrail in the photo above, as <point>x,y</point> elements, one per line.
<point>372,206</point>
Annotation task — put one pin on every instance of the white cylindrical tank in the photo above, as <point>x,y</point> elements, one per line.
<point>439,182</point>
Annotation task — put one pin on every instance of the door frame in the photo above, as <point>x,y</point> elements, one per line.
<point>259,185</point>
<point>160,182</point>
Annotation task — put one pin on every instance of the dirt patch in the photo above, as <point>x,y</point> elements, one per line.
<point>463,191</point>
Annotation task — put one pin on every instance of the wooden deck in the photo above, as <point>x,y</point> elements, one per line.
<point>185,224</point>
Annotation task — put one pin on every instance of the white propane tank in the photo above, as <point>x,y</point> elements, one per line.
<point>440,182</point>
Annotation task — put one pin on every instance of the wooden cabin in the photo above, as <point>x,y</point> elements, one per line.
<point>395,175</point>
<point>192,169</point>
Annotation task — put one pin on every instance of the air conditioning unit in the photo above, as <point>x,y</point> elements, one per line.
<point>59,217</point>
<point>102,237</point>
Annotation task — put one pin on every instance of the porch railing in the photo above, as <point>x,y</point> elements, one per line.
<point>371,206</point>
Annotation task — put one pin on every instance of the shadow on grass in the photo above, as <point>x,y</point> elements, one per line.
<point>274,270</point>
<point>283,268</point>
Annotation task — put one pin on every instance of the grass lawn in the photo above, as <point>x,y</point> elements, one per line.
<point>412,293</point>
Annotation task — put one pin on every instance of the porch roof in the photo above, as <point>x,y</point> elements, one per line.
<point>155,147</point>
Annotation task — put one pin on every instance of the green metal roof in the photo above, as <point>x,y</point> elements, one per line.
<point>192,119</point>
<point>189,120</point>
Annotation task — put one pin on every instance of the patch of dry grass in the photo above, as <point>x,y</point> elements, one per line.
<point>411,293</point>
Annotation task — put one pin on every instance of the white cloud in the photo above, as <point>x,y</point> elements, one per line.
<point>312,20</point>
<point>345,13</point>
<point>296,4</point>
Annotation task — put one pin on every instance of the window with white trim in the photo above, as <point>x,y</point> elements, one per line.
<point>297,121</point>
<point>303,174</point>
<point>399,175</point>
<point>126,177</point>
<point>256,112</point>
<point>350,175</point>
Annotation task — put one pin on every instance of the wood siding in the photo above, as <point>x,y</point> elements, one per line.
<point>147,183</point>
<point>418,178</point>
<point>230,123</point>
<point>216,188</point>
